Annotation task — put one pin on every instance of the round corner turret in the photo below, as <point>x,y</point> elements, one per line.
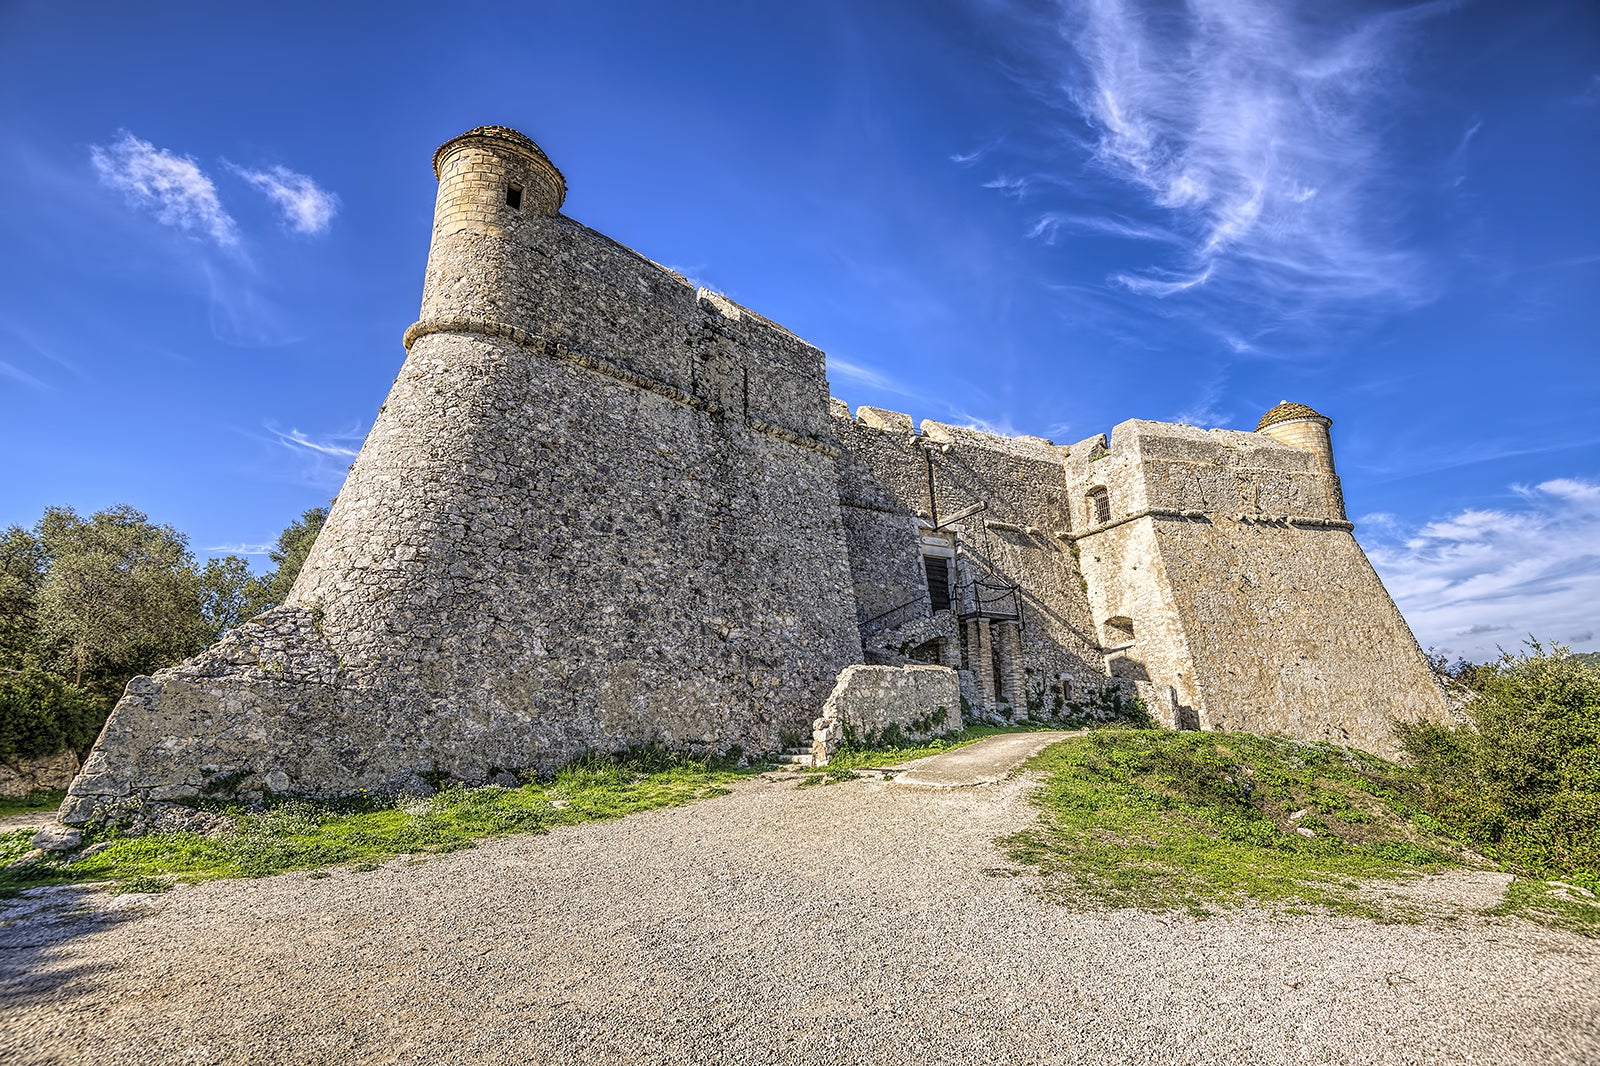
<point>1300,426</point>
<point>493,172</point>
<point>497,191</point>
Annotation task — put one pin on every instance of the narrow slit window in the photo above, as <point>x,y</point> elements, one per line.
<point>514,196</point>
<point>938,571</point>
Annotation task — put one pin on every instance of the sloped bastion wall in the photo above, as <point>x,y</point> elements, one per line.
<point>598,510</point>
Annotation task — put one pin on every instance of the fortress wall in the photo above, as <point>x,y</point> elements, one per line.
<point>1247,596</point>
<point>1290,631</point>
<point>597,510</point>
<point>1124,572</point>
<point>600,508</point>
<point>1162,465</point>
<point>884,481</point>
<point>530,560</point>
<point>559,281</point>
<point>877,469</point>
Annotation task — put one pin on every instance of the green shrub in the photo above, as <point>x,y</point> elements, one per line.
<point>1521,780</point>
<point>40,714</point>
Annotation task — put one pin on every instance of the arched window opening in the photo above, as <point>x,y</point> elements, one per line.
<point>1099,505</point>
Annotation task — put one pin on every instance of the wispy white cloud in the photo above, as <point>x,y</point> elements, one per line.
<point>171,186</point>
<point>1456,164</point>
<point>1257,128</point>
<point>336,444</point>
<point>1011,186</point>
<point>240,549</point>
<point>1000,427</point>
<point>1489,576</point>
<point>871,378</point>
<point>322,460</point>
<point>1163,285</point>
<point>306,207</point>
<point>17,374</point>
<point>1206,410</point>
<point>1049,225</point>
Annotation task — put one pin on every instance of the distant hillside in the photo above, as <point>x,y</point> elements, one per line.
<point>1589,658</point>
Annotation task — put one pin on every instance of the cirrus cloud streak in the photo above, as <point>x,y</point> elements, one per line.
<point>1253,132</point>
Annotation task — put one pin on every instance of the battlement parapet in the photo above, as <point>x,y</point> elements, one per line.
<point>1160,466</point>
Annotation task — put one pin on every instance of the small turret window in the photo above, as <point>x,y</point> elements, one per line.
<point>1099,506</point>
<point>514,196</point>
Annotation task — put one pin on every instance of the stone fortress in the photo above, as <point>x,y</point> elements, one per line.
<point>601,509</point>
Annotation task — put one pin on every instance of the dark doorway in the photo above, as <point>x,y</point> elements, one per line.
<point>938,571</point>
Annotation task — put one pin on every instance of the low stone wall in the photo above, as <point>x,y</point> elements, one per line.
<point>20,778</point>
<point>870,702</point>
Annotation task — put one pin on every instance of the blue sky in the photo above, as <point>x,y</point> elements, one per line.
<point>1040,217</point>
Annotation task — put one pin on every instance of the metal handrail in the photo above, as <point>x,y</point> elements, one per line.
<point>919,601</point>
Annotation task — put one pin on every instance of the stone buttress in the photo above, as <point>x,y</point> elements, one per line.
<point>1223,576</point>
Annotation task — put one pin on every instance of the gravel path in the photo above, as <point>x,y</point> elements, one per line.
<point>987,762</point>
<point>856,923</point>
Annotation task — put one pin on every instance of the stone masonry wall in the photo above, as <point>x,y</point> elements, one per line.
<point>870,702</point>
<point>1228,556</point>
<point>1016,539</point>
<point>597,510</point>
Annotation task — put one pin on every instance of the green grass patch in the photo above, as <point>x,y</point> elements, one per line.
<point>1537,900</point>
<point>1162,820</point>
<point>37,802</point>
<point>299,835</point>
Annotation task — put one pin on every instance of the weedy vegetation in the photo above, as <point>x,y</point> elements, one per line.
<point>1163,820</point>
<point>1197,821</point>
<point>359,834</point>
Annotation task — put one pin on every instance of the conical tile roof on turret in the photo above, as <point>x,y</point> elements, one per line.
<point>501,133</point>
<point>1289,412</point>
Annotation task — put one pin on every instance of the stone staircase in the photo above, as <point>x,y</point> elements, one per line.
<point>796,759</point>
<point>889,646</point>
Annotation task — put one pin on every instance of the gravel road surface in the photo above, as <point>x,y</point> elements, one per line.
<point>864,922</point>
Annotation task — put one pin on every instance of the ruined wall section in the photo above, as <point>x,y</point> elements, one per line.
<point>873,705</point>
<point>1020,539</point>
<point>1229,555</point>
